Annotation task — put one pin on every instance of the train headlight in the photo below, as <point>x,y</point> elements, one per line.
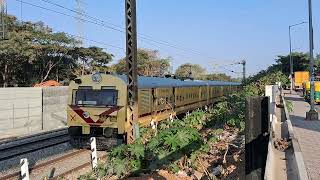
<point>96,77</point>
<point>86,115</point>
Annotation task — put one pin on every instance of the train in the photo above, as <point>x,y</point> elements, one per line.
<point>98,103</point>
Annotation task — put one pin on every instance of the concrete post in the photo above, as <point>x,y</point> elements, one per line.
<point>271,91</point>
<point>94,157</point>
<point>24,169</point>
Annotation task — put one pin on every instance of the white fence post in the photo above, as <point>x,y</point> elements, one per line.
<point>24,169</point>
<point>271,91</point>
<point>171,117</point>
<point>94,158</point>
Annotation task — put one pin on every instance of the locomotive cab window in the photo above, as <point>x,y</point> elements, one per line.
<point>90,97</point>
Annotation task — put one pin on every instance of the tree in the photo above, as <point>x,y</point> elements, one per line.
<point>195,70</point>
<point>34,53</point>
<point>14,52</point>
<point>218,77</point>
<point>91,59</point>
<point>149,64</point>
<point>300,63</point>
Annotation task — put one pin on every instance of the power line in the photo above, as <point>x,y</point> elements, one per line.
<point>65,14</point>
<point>51,10</point>
<point>81,13</point>
<point>102,23</point>
<point>231,70</point>
<point>142,36</point>
<point>95,41</point>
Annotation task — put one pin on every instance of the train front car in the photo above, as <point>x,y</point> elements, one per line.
<point>97,107</point>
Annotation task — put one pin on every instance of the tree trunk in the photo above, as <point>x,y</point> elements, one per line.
<point>82,71</point>
<point>47,74</point>
<point>5,75</point>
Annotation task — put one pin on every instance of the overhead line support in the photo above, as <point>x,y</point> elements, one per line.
<point>3,16</point>
<point>132,75</point>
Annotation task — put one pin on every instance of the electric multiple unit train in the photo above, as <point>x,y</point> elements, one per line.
<point>98,103</point>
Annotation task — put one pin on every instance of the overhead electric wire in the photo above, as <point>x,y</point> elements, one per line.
<point>81,13</point>
<point>231,70</point>
<point>230,64</point>
<point>65,14</point>
<point>142,36</point>
<point>95,41</point>
<point>102,23</point>
<point>58,12</point>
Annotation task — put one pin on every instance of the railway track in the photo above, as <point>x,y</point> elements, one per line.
<point>48,167</point>
<point>28,144</point>
<point>62,165</point>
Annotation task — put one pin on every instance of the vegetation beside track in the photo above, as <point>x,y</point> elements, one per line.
<point>206,143</point>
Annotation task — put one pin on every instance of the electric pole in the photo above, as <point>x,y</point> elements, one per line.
<point>243,62</point>
<point>79,18</point>
<point>132,75</point>
<point>312,114</point>
<point>3,16</point>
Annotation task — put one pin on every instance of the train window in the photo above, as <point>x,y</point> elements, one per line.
<point>108,87</point>
<point>85,87</point>
<point>89,97</point>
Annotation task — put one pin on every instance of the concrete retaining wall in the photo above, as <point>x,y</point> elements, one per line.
<point>54,107</point>
<point>31,109</point>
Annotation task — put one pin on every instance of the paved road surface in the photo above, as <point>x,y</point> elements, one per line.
<point>307,133</point>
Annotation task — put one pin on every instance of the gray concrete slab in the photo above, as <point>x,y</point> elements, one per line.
<point>32,109</point>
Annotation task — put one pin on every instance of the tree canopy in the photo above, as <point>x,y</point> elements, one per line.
<point>149,64</point>
<point>193,70</point>
<point>33,53</point>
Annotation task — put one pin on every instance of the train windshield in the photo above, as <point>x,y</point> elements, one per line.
<point>89,97</point>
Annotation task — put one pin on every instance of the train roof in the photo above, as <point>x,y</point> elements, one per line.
<point>153,82</point>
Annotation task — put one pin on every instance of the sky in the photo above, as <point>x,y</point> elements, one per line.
<point>212,33</point>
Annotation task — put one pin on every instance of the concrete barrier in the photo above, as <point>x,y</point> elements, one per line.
<point>290,160</point>
<point>31,109</point>
<point>54,107</point>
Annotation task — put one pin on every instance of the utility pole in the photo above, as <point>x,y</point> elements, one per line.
<point>3,16</point>
<point>312,114</point>
<point>291,62</point>
<point>79,18</point>
<point>131,62</point>
<point>243,62</point>
<point>290,55</point>
<point>80,30</point>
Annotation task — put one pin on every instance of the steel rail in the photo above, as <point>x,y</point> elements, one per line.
<point>44,164</point>
<point>27,144</point>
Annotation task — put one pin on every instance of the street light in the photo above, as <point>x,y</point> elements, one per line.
<point>312,114</point>
<point>291,61</point>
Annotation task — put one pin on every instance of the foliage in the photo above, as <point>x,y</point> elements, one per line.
<point>289,105</point>
<point>149,64</point>
<point>33,53</point>
<point>125,158</point>
<point>256,85</point>
<point>220,77</point>
<point>188,70</point>
<point>300,63</point>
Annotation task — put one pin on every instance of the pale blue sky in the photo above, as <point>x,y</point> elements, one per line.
<point>220,31</point>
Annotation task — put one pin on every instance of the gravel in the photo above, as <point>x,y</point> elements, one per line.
<point>12,164</point>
